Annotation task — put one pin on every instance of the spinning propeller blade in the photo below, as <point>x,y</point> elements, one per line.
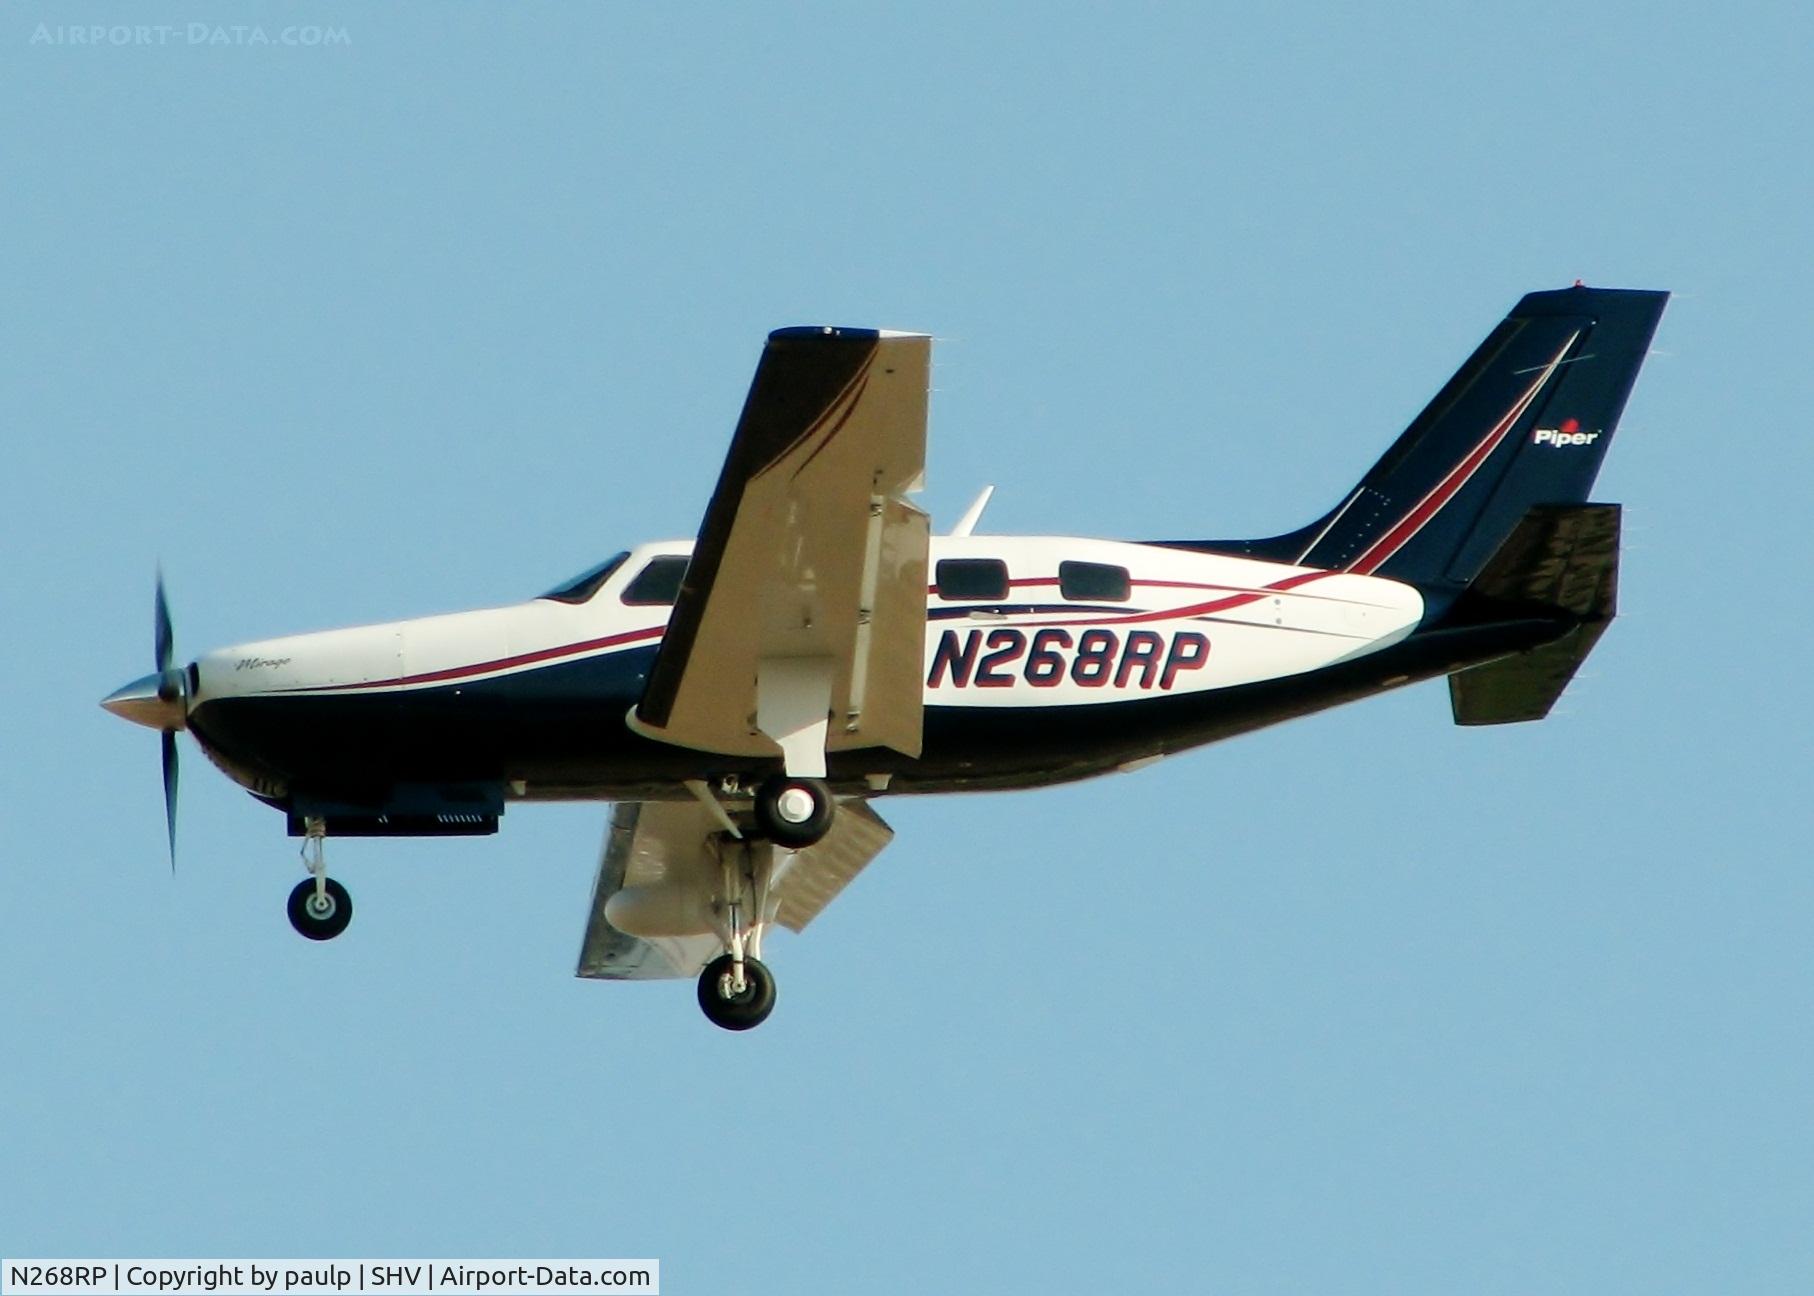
<point>166,638</point>
<point>172,686</point>
<point>169,736</point>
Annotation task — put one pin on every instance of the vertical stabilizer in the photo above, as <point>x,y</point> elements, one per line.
<point>1524,422</point>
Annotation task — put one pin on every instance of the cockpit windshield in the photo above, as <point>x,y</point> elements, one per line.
<point>585,585</point>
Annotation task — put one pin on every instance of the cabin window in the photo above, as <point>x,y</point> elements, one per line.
<point>585,585</point>
<point>1096,582</point>
<point>658,584</point>
<point>972,578</point>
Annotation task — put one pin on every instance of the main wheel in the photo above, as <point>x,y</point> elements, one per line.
<point>324,918</point>
<point>736,1012</point>
<point>794,812</point>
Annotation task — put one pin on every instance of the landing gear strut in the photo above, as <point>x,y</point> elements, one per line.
<point>736,989</point>
<point>319,907</point>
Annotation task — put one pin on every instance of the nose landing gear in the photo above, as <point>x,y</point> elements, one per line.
<point>319,907</point>
<point>321,910</point>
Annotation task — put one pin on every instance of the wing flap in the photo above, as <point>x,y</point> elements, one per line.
<point>821,872</point>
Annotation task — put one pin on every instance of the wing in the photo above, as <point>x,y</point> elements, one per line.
<point>667,852</point>
<point>649,843</point>
<point>800,628</point>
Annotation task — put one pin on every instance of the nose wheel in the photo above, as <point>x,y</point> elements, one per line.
<point>319,907</point>
<point>321,910</point>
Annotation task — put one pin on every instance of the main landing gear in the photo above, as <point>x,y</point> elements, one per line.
<point>736,993</point>
<point>736,989</point>
<point>320,908</point>
<point>794,812</point>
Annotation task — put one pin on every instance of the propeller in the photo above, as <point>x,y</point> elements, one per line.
<point>173,690</point>
<point>159,701</point>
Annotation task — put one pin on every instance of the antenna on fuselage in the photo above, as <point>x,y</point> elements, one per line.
<point>974,514</point>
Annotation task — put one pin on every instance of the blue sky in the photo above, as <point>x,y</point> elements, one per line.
<point>1366,1003</point>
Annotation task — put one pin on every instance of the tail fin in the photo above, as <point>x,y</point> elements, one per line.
<point>1525,421</point>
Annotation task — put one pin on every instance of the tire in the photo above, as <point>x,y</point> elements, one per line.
<point>778,803</point>
<point>315,925</point>
<point>741,1012</point>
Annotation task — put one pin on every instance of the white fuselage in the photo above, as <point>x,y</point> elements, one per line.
<point>1186,622</point>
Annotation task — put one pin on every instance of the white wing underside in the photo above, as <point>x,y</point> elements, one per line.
<point>672,849</point>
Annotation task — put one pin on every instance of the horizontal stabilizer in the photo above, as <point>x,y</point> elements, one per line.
<point>1559,560</point>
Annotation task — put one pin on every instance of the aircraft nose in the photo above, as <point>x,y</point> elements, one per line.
<point>142,703</point>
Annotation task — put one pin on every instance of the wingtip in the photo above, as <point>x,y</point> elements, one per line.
<point>797,332</point>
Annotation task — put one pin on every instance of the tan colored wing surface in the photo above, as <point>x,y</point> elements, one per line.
<point>806,595</point>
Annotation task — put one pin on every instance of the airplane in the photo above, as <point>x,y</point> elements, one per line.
<point>743,698</point>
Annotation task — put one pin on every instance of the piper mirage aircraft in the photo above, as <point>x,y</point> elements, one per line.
<point>744,697</point>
